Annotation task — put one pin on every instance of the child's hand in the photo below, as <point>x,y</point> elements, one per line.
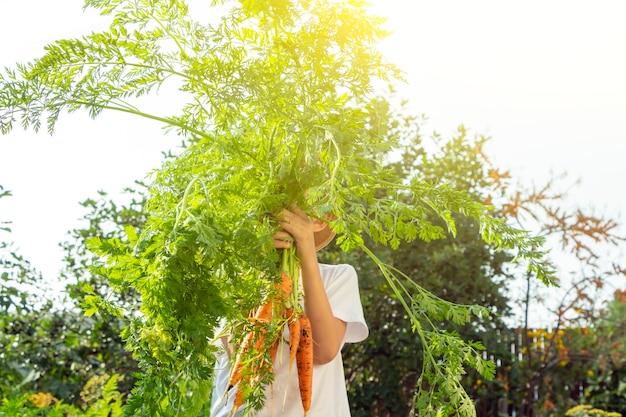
<point>296,227</point>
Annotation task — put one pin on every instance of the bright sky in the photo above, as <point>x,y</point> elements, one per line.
<point>544,79</point>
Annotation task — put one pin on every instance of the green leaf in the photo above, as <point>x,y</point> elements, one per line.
<point>88,289</point>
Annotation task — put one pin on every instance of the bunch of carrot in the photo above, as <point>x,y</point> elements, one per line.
<point>281,309</point>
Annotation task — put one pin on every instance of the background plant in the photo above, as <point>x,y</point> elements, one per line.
<point>48,344</point>
<point>100,398</point>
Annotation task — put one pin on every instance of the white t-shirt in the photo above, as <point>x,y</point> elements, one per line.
<point>329,395</point>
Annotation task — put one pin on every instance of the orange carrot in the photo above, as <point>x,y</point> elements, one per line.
<point>287,313</point>
<point>286,286</point>
<point>304,361</point>
<point>235,375</point>
<point>255,339</point>
<point>274,349</point>
<point>264,313</point>
<point>294,339</point>
<point>238,401</point>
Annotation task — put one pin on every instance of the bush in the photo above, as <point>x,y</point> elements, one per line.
<point>99,397</point>
<point>587,411</point>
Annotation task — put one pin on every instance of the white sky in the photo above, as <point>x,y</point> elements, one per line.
<point>545,79</point>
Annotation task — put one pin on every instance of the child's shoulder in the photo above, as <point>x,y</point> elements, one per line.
<point>337,270</point>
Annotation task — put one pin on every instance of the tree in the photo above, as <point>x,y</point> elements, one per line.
<point>19,279</point>
<point>280,110</point>
<point>18,286</point>
<point>552,371</point>
<point>606,342</point>
<point>49,345</point>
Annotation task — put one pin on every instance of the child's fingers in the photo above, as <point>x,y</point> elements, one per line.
<point>282,240</point>
<point>301,214</point>
<point>282,244</point>
<point>294,218</point>
<point>281,234</point>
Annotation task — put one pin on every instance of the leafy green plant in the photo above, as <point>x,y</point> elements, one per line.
<point>280,111</point>
<point>18,278</point>
<point>47,344</point>
<point>384,370</point>
<point>605,342</point>
<point>588,411</point>
<point>102,399</point>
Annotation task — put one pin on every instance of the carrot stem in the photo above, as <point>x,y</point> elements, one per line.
<point>291,266</point>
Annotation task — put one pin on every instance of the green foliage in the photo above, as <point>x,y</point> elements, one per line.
<point>588,411</point>
<point>18,280</point>
<point>384,370</point>
<point>280,110</point>
<point>57,351</point>
<point>47,344</point>
<point>100,394</point>
<point>606,343</point>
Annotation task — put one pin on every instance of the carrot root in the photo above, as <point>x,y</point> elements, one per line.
<point>304,362</point>
<point>236,373</point>
<point>294,339</point>
<point>238,401</point>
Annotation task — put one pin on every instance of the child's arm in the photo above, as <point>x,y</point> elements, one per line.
<point>328,331</point>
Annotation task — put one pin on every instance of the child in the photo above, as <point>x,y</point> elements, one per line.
<point>333,305</point>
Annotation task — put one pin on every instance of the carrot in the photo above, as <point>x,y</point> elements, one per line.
<point>255,339</point>
<point>274,349</point>
<point>264,313</point>
<point>294,339</point>
<point>235,375</point>
<point>286,286</point>
<point>238,400</point>
<point>304,361</point>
